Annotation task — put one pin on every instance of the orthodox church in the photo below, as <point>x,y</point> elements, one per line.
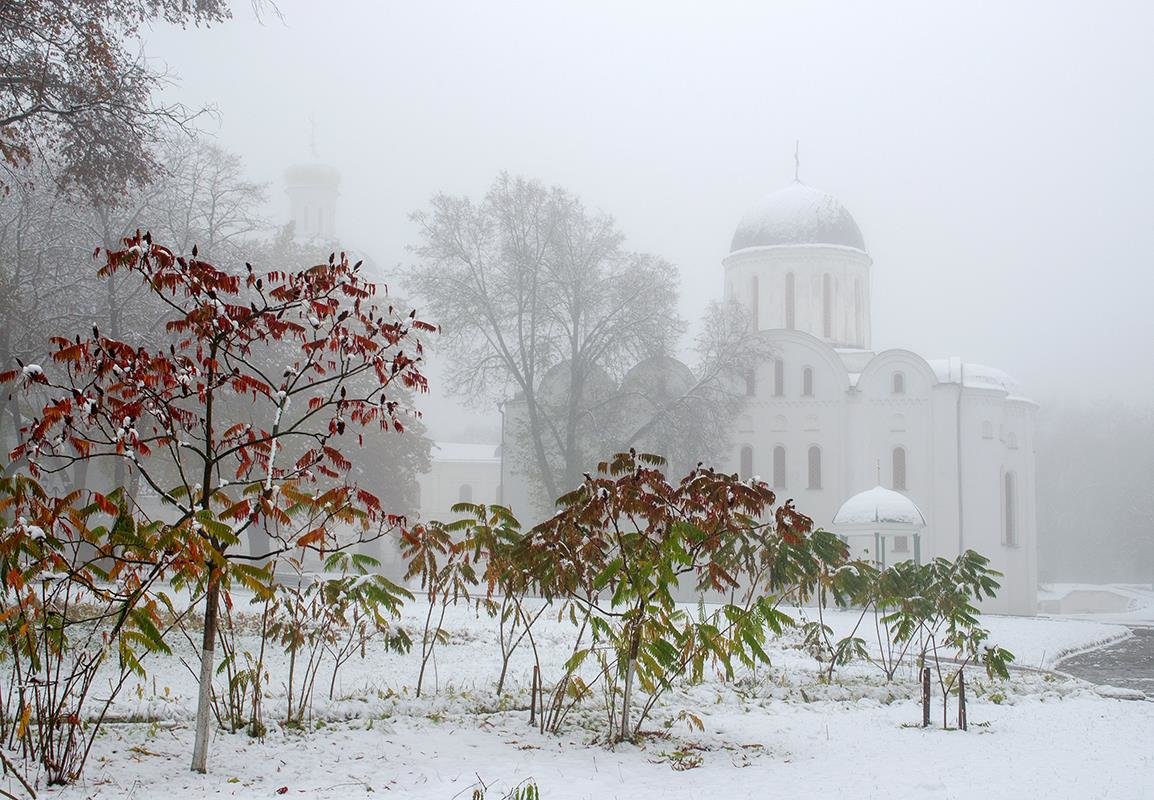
<point>906,457</point>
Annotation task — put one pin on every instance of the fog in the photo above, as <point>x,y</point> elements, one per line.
<point>996,159</point>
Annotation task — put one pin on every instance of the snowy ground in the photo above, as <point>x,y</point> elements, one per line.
<point>779,733</point>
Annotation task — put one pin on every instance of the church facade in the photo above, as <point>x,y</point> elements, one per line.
<point>829,417</point>
<point>831,423</point>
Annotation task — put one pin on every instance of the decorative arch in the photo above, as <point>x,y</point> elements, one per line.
<point>745,470</point>
<point>1009,509</point>
<point>878,373</point>
<point>858,321</point>
<point>898,469</point>
<point>790,301</point>
<point>827,305</point>
<point>814,467</point>
<point>755,302</point>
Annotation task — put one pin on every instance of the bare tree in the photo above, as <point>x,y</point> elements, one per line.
<point>74,88</point>
<point>200,197</point>
<point>526,281</point>
<point>687,415</point>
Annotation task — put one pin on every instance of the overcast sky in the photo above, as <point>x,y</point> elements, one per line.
<point>997,157</point>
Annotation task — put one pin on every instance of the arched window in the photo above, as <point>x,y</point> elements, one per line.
<point>815,467</point>
<point>827,306</point>
<point>751,383</point>
<point>807,382</point>
<point>754,303</point>
<point>899,383</point>
<point>859,323</point>
<point>779,467</point>
<point>1010,501</point>
<point>778,378</point>
<point>899,469</point>
<point>790,302</point>
<point>746,471</point>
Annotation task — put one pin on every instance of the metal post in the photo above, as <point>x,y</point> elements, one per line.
<point>925,697</point>
<point>533,699</point>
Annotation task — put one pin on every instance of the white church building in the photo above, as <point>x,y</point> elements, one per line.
<point>921,457</point>
<point>905,457</point>
<point>830,418</point>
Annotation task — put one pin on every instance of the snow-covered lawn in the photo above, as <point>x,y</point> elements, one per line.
<point>781,732</point>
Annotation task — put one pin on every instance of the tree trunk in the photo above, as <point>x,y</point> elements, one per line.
<point>634,646</point>
<point>207,652</point>
<point>962,724</point>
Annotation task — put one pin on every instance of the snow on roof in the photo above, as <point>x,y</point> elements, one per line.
<point>879,508</point>
<point>797,215</point>
<point>977,376</point>
<point>460,451</point>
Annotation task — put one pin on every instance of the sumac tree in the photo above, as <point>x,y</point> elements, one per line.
<point>627,539</point>
<point>168,414</point>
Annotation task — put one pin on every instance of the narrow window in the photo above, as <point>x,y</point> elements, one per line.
<point>755,303</point>
<point>790,302</point>
<point>779,467</point>
<point>815,467</point>
<point>1011,511</point>
<point>751,383</point>
<point>899,384</point>
<point>465,493</point>
<point>827,306</point>
<point>859,323</point>
<point>778,378</point>
<point>746,463</point>
<point>899,469</point>
<point>807,382</point>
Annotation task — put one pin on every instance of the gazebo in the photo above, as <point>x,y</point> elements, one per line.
<point>894,522</point>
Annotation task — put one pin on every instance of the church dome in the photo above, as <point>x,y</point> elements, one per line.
<point>797,214</point>
<point>312,174</point>
<point>658,378</point>
<point>879,509</point>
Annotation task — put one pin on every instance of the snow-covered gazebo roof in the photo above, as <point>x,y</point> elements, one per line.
<point>879,510</point>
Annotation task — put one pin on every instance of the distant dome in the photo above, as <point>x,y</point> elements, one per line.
<point>658,378</point>
<point>554,387</point>
<point>314,174</point>
<point>879,509</point>
<point>798,214</point>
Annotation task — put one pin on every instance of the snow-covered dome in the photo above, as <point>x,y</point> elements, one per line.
<point>554,387</point>
<point>658,378</point>
<point>797,214</point>
<point>879,509</point>
<point>312,174</point>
